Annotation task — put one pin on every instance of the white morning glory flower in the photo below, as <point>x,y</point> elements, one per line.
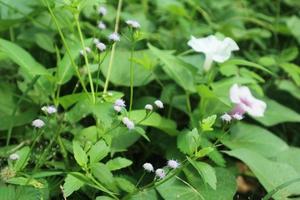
<point>159,103</point>
<point>101,25</point>
<point>148,167</point>
<point>174,164</point>
<point>160,173</point>
<point>114,37</point>
<point>214,49</point>
<point>226,117</point>
<point>133,23</point>
<point>245,102</point>
<point>14,156</point>
<point>38,123</point>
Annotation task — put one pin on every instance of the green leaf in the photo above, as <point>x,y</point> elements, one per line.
<point>272,117</point>
<point>72,184</point>
<point>104,198</point>
<point>254,138</point>
<point>121,138</point>
<point>269,173</point>
<point>204,152</point>
<point>125,184</point>
<point>24,157</point>
<point>21,57</point>
<point>142,132</point>
<point>175,189</point>
<point>146,194</point>
<point>188,142</point>
<point>207,123</point>
<point>206,172</point>
<point>291,157</point>
<point>154,120</point>
<point>293,24</point>
<point>45,42</point>
<point>9,192</point>
<point>293,71</point>
<point>118,163</point>
<point>121,67</point>
<point>98,151</point>
<point>175,68</point>
<point>103,175</point>
<point>79,154</point>
<point>290,87</point>
<point>25,181</point>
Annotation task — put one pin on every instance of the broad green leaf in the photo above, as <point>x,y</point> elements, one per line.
<point>214,155</point>
<point>293,24</point>
<point>121,67</point>
<point>98,151</point>
<point>103,175</point>
<point>79,154</point>
<point>293,71</point>
<point>271,116</point>
<point>146,194</point>
<point>175,68</point>
<point>104,198</point>
<point>188,142</point>
<point>290,156</point>
<point>121,138</point>
<point>254,138</point>
<point>45,41</point>
<point>206,171</point>
<point>118,163</point>
<point>9,192</point>
<point>289,54</point>
<point>125,184</point>
<point>72,184</point>
<point>142,132</point>
<point>24,157</point>
<point>25,181</point>
<point>154,120</point>
<point>176,189</point>
<point>269,173</point>
<point>290,87</point>
<point>21,57</point>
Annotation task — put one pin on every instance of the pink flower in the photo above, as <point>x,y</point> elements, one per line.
<point>245,102</point>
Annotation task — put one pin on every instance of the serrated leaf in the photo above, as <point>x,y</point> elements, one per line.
<point>207,123</point>
<point>188,142</point>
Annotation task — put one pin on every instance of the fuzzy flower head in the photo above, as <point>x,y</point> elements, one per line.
<point>226,118</point>
<point>86,49</point>
<point>160,173</point>
<point>237,116</point>
<point>128,123</point>
<point>114,37</point>
<point>14,156</point>
<point>101,25</point>
<point>96,41</point>
<point>49,109</point>
<point>159,103</point>
<point>102,10</point>
<point>149,107</point>
<point>214,49</point>
<point>101,46</point>
<point>245,102</point>
<point>174,164</point>
<point>38,123</point>
<point>148,167</point>
<point>119,104</point>
<point>133,23</point>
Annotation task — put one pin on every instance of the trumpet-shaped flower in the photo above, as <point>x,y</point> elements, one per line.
<point>148,167</point>
<point>214,49</point>
<point>245,103</point>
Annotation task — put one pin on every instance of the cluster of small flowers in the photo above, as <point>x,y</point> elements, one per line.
<point>49,110</point>
<point>100,46</point>
<point>133,23</point>
<point>160,172</point>
<point>244,102</point>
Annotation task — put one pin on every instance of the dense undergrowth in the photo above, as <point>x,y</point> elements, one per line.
<point>142,99</point>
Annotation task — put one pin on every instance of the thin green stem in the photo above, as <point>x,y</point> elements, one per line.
<point>99,69</point>
<point>76,17</point>
<point>113,48</point>
<point>131,78</point>
<point>140,179</point>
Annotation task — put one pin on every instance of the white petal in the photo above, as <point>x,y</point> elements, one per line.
<point>224,51</point>
<point>245,93</point>
<point>257,109</point>
<point>205,45</point>
<point>234,94</point>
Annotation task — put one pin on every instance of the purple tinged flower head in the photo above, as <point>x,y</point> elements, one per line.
<point>226,118</point>
<point>159,103</point>
<point>49,109</point>
<point>160,173</point>
<point>174,164</point>
<point>114,37</point>
<point>133,23</point>
<point>120,102</point>
<point>38,123</point>
<point>245,102</point>
<point>148,167</point>
<point>14,156</point>
<point>128,123</point>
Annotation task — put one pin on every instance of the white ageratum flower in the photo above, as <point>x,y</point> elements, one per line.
<point>226,117</point>
<point>101,25</point>
<point>149,107</point>
<point>14,156</point>
<point>174,164</point>
<point>133,24</point>
<point>87,50</point>
<point>102,10</point>
<point>148,167</point>
<point>38,123</point>
<point>214,49</point>
<point>160,173</point>
<point>119,104</point>
<point>128,123</point>
<point>96,41</point>
<point>114,37</point>
<point>101,46</point>
<point>237,116</point>
<point>245,102</point>
<point>159,103</point>
<point>49,109</point>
